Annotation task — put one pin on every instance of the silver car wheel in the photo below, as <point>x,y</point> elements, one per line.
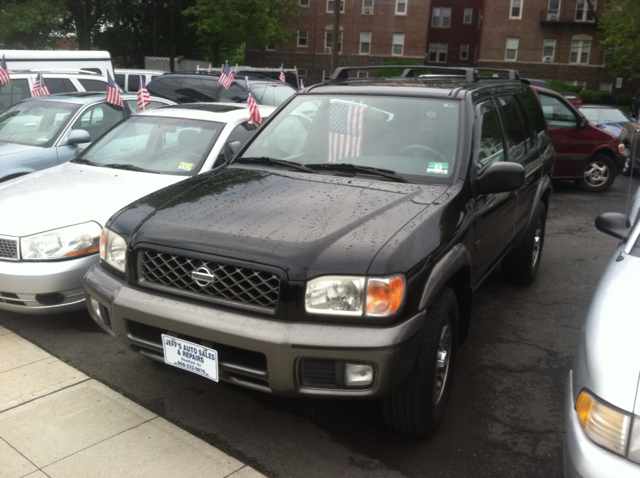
<point>596,173</point>
<point>537,242</point>
<point>443,359</point>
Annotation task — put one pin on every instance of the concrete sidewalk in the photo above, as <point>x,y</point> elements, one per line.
<point>57,422</point>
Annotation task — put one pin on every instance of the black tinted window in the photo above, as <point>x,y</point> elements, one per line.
<point>166,87</point>
<point>134,83</point>
<point>13,92</point>
<point>489,148</point>
<point>119,78</point>
<point>59,85</point>
<point>195,90</point>
<point>534,111</point>
<point>513,124</point>
<point>235,94</point>
<point>93,85</point>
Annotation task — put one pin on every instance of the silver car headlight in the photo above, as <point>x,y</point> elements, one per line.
<point>66,242</point>
<point>113,249</point>
<point>354,296</point>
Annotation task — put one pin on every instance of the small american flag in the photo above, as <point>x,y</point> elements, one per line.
<point>39,87</point>
<point>4,72</point>
<point>282,78</point>
<point>301,83</point>
<point>113,95</point>
<point>143,95</point>
<point>254,112</point>
<point>226,77</point>
<point>346,126</point>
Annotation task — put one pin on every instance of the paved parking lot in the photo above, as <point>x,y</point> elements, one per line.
<point>505,416</point>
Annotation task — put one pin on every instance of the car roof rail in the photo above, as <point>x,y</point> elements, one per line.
<point>470,74</point>
<point>57,71</point>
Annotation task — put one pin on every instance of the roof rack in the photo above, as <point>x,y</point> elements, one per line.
<point>44,70</point>
<point>471,74</point>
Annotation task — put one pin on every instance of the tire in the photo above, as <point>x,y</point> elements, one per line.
<point>418,405</point>
<point>598,174</point>
<point>521,264</point>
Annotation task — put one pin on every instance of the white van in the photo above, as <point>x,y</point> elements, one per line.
<point>72,60</point>
<point>129,79</point>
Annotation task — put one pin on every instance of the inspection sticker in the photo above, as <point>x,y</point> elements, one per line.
<point>189,356</point>
<point>438,168</point>
<point>185,166</point>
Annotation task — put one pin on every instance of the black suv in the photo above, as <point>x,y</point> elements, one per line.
<point>337,253</point>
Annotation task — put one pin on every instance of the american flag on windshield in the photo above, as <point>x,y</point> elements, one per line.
<point>346,126</point>
<point>4,72</point>
<point>226,77</point>
<point>39,87</point>
<point>113,95</point>
<point>143,95</point>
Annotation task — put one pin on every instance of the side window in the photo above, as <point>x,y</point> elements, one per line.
<point>119,78</point>
<point>534,111</point>
<point>514,127</point>
<point>13,92</point>
<point>59,85</point>
<point>133,82</point>
<point>489,146</point>
<point>241,133</point>
<point>557,113</point>
<point>167,87</point>
<point>195,90</point>
<point>235,94</point>
<point>97,119</point>
<point>93,85</point>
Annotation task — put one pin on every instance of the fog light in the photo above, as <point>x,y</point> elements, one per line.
<point>358,375</point>
<point>95,307</point>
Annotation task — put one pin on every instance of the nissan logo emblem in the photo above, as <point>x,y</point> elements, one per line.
<point>203,276</point>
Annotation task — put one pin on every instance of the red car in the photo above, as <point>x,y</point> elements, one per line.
<point>573,98</point>
<point>584,152</point>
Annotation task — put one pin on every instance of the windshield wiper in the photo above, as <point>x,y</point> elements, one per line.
<point>275,162</point>
<point>128,167</point>
<point>82,161</point>
<point>386,173</point>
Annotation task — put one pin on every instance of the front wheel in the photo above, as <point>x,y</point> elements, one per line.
<point>598,174</point>
<point>417,406</point>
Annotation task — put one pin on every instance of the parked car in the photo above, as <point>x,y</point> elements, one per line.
<point>129,79</point>
<point>608,118</point>
<point>573,98</point>
<point>50,221</point>
<point>202,87</point>
<point>630,137</point>
<point>61,81</point>
<point>132,102</point>
<point>585,153</point>
<point>42,132</point>
<point>602,420</point>
<point>337,254</point>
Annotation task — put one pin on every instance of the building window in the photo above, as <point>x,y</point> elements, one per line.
<point>583,12</point>
<point>365,43</point>
<point>580,83</point>
<point>398,44</point>
<point>580,50</point>
<point>367,6</point>
<point>271,46</point>
<point>548,50</point>
<point>606,87</point>
<point>401,6</point>
<point>468,15</point>
<point>441,17</point>
<point>363,74</point>
<point>328,41</point>
<point>331,4</point>
<point>553,13</point>
<point>511,52</point>
<point>438,52</point>
<point>516,9</point>
<point>303,38</point>
<point>304,3</point>
<point>326,75</point>
<point>464,51</point>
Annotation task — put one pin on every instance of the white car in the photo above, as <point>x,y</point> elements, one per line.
<point>50,221</point>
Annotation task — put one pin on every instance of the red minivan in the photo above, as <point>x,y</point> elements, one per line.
<point>584,152</point>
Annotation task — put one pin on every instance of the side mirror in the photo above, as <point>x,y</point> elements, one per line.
<point>582,124</point>
<point>614,224</point>
<point>231,148</point>
<point>78,136</point>
<point>501,177</point>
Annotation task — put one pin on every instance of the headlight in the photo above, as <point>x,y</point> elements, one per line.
<point>602,423</point>
<point>66,242</point>
<point>113,249</point>
<point>354,296</point>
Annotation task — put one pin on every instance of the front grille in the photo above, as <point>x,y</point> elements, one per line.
<point>225,283</point>
<point>8,248</point>
<point>318,373</point>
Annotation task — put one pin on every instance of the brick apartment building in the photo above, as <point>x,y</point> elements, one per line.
<point>548,39</point>
<point>453,34</point>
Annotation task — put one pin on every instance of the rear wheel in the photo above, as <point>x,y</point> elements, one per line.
<point>598,174</point>
<point>628,165</point>
<point>417,407</point>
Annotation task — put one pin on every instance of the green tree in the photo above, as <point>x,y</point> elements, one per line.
<point>31,23</point>
<point>224,26</point>
<point>620,24</point>
<point>86,17</point>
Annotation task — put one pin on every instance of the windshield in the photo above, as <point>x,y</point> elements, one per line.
<point>36,123</point>
<point>272,95</point>
<point>414,137</point>
<point>163,145</point>
<point>604,115</point>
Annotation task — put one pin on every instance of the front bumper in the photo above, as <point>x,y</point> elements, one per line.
<point>257,352</point>
<point>43,287</point>
<point>582,457</point>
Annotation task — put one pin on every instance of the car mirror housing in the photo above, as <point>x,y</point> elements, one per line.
<point>582,123</point>
<point>501,177</point>
<point>614,224</point>
<point>78,136</point>
<point>231,148</point>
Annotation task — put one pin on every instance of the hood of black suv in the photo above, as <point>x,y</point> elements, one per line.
<point>307,224</point>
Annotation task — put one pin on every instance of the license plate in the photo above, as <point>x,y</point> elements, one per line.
<point>189,356</point>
